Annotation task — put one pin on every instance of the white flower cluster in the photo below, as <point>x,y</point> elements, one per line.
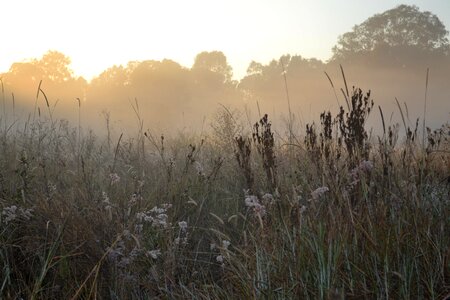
<point>154,253</point>
<point>199,168</point>
<point>106,202</point>
<point>221,258</point>
<point>157,216</point>
<point>252,202</point>
<point>226,244</point>
<point>51,188</point>
<point>122,257</point>
<point>364,167</point>
<point>319,192</point>
<point>114,178</point>
<point>268,199</point>
<point>13,212</point>
<point>182,234</point>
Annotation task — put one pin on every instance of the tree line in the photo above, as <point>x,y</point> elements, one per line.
<point>389,53</point>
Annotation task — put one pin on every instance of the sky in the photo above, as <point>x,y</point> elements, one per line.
<point>99,34</point>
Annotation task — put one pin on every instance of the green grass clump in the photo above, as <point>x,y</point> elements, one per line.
<point>234,214</point>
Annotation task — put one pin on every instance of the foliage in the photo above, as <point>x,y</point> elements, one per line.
<point>402,27</point>
<point>215,62</point>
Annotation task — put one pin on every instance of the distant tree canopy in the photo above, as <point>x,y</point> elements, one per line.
<point>215,62</point>
<point>53,66</point>
<point>265,83</point>
<point>402,27</point>
<point>394,46</point>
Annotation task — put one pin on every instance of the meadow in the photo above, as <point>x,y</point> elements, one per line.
<point>239,211</point>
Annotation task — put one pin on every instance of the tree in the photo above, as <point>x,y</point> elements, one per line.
<point>215,62</point>
<point>114,76</point>
<point>52,68</point>
<point>55,66</point>
<point>255,68</point>
<point>402,27</point>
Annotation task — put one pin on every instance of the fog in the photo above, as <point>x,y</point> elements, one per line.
<point>166,97</point>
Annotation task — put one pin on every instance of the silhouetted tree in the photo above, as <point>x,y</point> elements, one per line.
<point>23,74</point>
<point>215,62</point>
<point>55,66</point>
<point>59,83</point>
<point>255,68</point>
<point>402,27</point>
<point>114,76</point>
<point>266,82</point>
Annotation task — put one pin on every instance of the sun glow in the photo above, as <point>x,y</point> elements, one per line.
<point>99,34</point>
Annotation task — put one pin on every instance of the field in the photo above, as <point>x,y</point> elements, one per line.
<point>239,211</point>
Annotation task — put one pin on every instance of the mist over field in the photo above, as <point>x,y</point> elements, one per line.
<point>171,97</point>
<point>304,179</point>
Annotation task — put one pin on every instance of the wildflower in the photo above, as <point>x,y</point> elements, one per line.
<point>158,210</point>
<point>51,188</point>
<point>366,166</point>
<point>198,166</point>
<point>134,253</point>
<point>259,210</point>
<point>124,262</point>
<point>225,244</point>
<point>183,225</point>
<point>161,220</point>
<point>105,199</point>
<point>166,206</point>
<point>179,240</point>
<point>253,202</point>
<point>114,178</point>
<point>115,253</point>
<point>140,216</point>
<point>126,233</point>
<point>319,192</point>
<point>13,212</point>
<point>212,246</point>
<point>268,198</point>
<point>148,218</point>
<point>219,258</point>
<point>302,209</point>
<point>138,228</point>
<point>133,200</point>
<point>154,253</point>
<point>157,217</point>
<point>10,213</point>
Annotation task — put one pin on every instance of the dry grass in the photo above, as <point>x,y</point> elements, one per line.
<point>340,216</point>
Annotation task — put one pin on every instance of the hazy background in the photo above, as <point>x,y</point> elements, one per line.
<point>182,61</point>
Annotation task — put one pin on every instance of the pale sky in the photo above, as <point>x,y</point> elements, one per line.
<point>98,34</point>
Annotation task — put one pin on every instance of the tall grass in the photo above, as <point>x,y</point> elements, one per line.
<point>232,214</point>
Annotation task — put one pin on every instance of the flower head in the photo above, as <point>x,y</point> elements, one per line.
<point>183,225</point>
<point>13,212</point>
<point>114,178</point>
<point>319,192</point>
<point>225,244</point>
<point>252,201</point>
<point>154,253</point>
